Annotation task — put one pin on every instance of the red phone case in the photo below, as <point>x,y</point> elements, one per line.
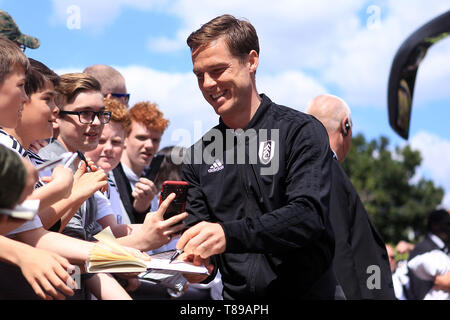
<point>178,204</point>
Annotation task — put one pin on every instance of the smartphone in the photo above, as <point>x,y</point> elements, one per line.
<point>178,204</point>
<point>150,174</point>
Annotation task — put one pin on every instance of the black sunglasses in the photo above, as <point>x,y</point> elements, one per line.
<point>125,96</point>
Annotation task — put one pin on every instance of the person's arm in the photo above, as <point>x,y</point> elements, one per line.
<point>74,250</point>
<point>57,188</point>
<point>104,287</point>
<point>9,224</point>
<point>404,247</point>
<point>84,186</point>
<point>46,272</point>
<point>442,281</point>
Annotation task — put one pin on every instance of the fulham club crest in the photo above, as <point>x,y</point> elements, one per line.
<point>266,151</point>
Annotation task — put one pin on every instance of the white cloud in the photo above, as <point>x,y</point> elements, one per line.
<point>331,38</point>
<point>433,78</point>
<point>435,152</point>
<point>293,89</point>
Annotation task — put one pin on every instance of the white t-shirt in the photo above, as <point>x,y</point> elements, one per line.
<point>114,198</point>
<point>103,205</point>
<point>429,265</point>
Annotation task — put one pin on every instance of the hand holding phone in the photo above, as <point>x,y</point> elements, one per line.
<point>178,204</point>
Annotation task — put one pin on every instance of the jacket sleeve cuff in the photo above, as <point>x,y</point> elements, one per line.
<point>236,236</point>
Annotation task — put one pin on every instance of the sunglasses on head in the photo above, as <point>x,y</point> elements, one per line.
<point>124,96</point>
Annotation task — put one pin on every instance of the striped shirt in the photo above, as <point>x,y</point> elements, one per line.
<point>11,143</point>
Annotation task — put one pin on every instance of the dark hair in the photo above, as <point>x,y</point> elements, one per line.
<point>37,77</point>
<point>437,218</point>
<point>240,35</point>
<point>169,170</point>
<point>12,178</point>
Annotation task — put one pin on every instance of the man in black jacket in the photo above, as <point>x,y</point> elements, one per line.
<point>361,262</point>
<point>259,181</point>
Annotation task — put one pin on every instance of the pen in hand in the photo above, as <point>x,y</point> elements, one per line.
<point>176,254</point>
<point>83,158</point>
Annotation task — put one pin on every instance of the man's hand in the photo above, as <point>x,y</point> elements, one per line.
<point>143,193</point>
<point>155,231</point>
<point>203,240</point>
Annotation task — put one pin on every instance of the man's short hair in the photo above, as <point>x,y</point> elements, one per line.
<point>119,113</point>
<point>240,35</point>
<point>11,56</point>
<point>71,84</point>
<point>109,78</point>
<point>149,115</point>
<point>13,177</point>
<point>38,75</point>
<point>438,218</point>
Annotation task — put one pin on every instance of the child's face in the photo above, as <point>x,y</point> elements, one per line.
<point>38,113</point>
<point>109,150</point>
<point>12,98</point>
<point>141,145</point>
<point>75,135</point>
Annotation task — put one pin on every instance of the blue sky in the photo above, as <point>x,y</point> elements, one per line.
<point>307,48</point>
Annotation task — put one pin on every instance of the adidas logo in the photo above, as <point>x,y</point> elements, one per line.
<point>216,166</point>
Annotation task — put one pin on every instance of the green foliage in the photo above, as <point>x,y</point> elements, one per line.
<point>382,179</point>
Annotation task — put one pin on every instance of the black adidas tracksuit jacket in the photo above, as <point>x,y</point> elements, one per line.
<point>279,240</point>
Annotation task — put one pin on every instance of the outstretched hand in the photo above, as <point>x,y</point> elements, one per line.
<point>156,231</point>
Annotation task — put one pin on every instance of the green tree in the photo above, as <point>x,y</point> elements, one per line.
<point>382,179</point>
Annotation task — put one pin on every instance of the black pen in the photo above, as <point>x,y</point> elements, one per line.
<point>176,254</point>
<point>83,158</point>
